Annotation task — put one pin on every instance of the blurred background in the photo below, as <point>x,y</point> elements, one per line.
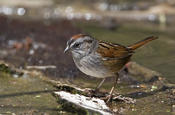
<point>44,26</point>
<point>33,33</point>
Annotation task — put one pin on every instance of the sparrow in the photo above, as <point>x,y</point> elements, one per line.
<point>101,59</point>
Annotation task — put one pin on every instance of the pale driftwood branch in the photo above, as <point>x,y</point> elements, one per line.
<point>83,98</point>
<point>93,104</point>
<point>41,67</point>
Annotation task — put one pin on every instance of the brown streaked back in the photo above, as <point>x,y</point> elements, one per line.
<point>110,50</point>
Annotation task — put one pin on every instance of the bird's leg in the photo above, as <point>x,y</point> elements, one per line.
<point>112,89</point>
<point>99,85</point>
<point>95,91</point>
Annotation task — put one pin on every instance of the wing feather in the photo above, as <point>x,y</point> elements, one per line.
<point>113,51</point>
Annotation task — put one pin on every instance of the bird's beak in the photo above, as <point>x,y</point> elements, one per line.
<point>66,49</point>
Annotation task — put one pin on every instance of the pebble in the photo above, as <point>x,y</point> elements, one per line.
<point>173,108</point>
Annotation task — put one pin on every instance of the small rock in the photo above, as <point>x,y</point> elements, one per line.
<point>15,75</point>
<point>153,88</point>
<point>173,108</point>
<point>38,96</point>
<point>31,52</point>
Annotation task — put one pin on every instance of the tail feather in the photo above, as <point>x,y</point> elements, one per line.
<point>142,42</point>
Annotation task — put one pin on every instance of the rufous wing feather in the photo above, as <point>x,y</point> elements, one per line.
<point>109,50</point>
<point>115,56</point>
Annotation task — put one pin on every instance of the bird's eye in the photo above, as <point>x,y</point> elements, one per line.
<point>76,45</point>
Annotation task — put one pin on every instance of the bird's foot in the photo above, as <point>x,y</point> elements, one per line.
<point>94,93</point>
<point>90,92</point>
<point>108,98</point>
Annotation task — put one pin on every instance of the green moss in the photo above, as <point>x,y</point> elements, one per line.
<point>68,89</point>
<point>4,68</point>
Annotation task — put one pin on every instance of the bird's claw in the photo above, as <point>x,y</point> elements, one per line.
<point>108,98</point>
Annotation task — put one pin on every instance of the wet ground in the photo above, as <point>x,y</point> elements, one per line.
<point>30,92</point>
<point>26,44</point>
<point>23,96</point>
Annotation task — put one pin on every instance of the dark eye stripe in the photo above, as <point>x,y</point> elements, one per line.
<point>76,45</point>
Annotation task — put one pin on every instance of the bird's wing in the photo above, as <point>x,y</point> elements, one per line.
<point>113,51</point>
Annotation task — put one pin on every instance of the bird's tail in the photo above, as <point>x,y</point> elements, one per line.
<point>142,42</point>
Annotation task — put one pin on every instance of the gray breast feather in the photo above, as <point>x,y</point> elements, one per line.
<point>91,65</point>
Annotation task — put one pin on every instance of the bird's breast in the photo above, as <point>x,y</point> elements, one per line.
<point>93,65</point>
